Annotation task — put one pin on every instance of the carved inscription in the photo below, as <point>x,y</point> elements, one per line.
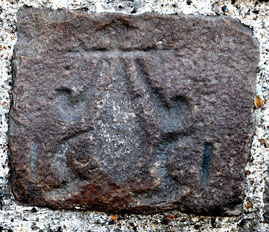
<point>131,113</point>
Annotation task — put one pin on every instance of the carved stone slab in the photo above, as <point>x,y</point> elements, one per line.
<point>131,113</point>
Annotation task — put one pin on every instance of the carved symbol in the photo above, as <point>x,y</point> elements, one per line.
<point>157,118</point>
<point>123,113</point>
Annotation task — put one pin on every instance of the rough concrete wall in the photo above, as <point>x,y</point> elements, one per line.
<point>15,217</point>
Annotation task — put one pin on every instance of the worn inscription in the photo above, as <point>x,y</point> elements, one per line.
<point>131,113</point>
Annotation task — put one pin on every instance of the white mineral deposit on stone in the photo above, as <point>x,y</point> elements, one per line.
<point>14,217</point>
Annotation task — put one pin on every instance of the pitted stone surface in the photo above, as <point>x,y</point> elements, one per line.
<point>266,198</point>
<point>132,113</point>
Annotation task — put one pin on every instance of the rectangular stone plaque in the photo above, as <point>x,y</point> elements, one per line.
<point>137,114</point>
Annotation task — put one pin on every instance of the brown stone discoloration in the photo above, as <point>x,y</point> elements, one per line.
<point>131,113</point>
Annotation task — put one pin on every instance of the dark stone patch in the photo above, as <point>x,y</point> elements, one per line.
<point>131,113</point>
<point>207,152</point>
<point>266,197</point>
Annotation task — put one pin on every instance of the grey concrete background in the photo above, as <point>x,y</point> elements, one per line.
<point>15,217</point>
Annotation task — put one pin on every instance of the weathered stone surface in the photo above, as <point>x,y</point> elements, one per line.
<point>266,196</point>
<point>131,113</point>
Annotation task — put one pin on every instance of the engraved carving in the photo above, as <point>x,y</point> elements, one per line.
<point>84,149</point>
<point>131,113</point>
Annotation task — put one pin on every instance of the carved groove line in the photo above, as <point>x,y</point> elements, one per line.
<point>207,153</point>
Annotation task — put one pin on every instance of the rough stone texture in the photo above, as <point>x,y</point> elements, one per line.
<point>266,199</point>
<point>132,113</point>
<point>266,194</point>
<point>18,217</point>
